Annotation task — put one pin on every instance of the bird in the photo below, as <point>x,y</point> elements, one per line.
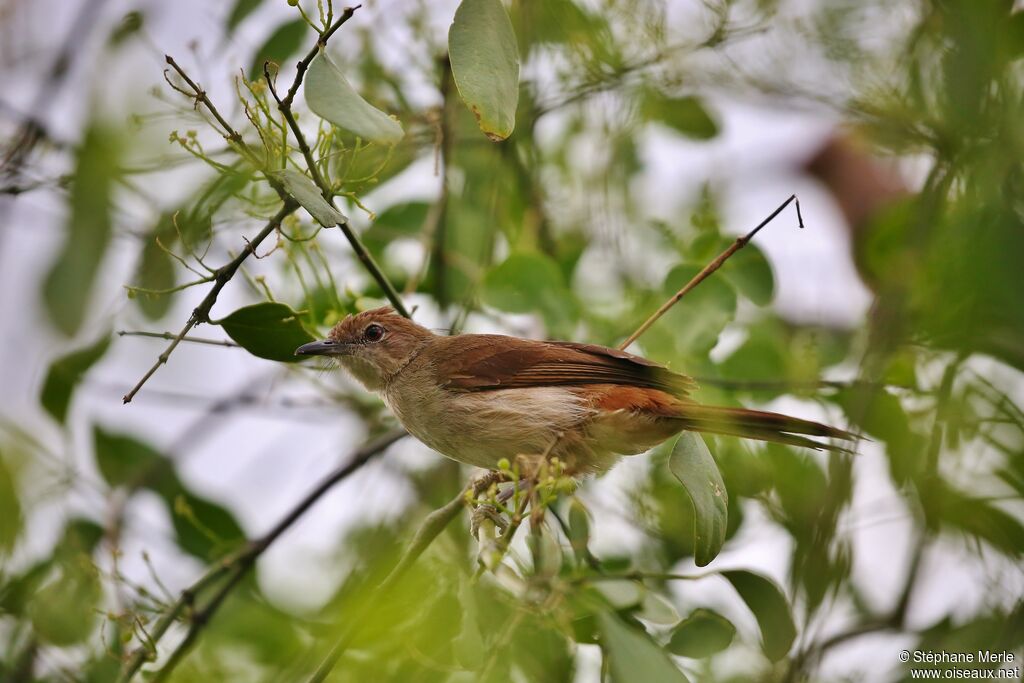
<point>484,398</point>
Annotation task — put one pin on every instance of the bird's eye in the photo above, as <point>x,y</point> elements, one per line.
<point>373,333</point>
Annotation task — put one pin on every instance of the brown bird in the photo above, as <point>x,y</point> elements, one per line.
<point>478,398</point>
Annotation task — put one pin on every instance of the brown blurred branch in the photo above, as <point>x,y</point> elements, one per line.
<point>236,567</point>
<point>740,242</point>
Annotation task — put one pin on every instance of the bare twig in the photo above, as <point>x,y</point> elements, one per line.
<point>284,105</point>
<point>740,242</point>
<point>223,275</point>
<point>172,336</point>
<point>236,567</point>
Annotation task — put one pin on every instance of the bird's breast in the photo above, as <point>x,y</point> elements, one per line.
<point>480,428</point>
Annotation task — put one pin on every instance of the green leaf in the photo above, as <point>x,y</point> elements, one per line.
<point>766,600</point>
<point>124,460</point>
<point>527,282</point>
<point>692,464</point>
<point>204,528</point>
<point>685,115</point>
<point>697,320</point>
<point>240,10</point>
<point>401,220</point>
<point>633,656</point>
<point>701,634</point>
<point>267,330</point>
<point>308,195</point>
<point>10,509</point>
<point>282,44</point>
<point>749,271</point>
<point>69,283</point>
<point>156,271</point>
<point>63,612</point>
<point>485,64</point>
<point>64,375</point>
<point>332,97</point>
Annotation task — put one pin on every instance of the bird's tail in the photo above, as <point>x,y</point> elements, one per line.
<point>760,425</point>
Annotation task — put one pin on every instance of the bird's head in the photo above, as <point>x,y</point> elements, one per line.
<point>373,345</point>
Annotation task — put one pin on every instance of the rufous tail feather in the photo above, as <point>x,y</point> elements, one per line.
<point>760,425</point>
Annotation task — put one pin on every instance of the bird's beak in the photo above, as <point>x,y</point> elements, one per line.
<point>324,347</point>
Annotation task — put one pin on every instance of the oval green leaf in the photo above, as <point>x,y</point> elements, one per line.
<point>692,464</point>
<point>685,115</point>
<point>771,609</point>
<point>282,44</point>
<point>529,282</point>
<point>69,284</point>
<point>268,330</point>
<point>701,634</point>
<point>308,195</point>
<point>64,375</point>
<point>332,97</point>
<point>633,656</point>
<point>485,64</point>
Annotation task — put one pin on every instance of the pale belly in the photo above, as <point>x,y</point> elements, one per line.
<point>481,428</point>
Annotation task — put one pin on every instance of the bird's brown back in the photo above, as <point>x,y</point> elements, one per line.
<point>482,362</point>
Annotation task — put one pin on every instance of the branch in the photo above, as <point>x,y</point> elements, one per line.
<point>284,105</point>
<point>237,566</point>
<point>171,335</point>
<point>222,275</point>
<point>710,268</point>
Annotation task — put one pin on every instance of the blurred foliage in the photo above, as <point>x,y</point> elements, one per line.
<point>509,237</point>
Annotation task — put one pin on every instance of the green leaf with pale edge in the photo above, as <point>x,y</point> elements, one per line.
<point>692,464</point>
<point>634,656</point>
<point>771,609</point>
<point>308,195</point>
<point>701,634</point>
<point>268,330</point>
<point>485,64</point>
<point>64,375</point>
<point>282,44</point>
<point>332,97</point>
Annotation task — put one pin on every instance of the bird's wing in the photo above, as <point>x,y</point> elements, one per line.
<point>482,362</point>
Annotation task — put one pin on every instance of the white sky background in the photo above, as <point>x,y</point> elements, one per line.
<point>258,461</point>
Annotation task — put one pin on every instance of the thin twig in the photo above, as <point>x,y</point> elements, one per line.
<point>201,313</point>
<point>284,105</point>
<point>172,336</point>
<point>239,564</point>
<point>740,242</point>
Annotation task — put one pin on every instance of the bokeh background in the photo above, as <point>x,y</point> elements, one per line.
<point>648,135</point>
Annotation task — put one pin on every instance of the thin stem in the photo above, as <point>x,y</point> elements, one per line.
<point>284,105</point>
<point>222,277</point>
<point>171,335</point>
<point>740,242</point>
